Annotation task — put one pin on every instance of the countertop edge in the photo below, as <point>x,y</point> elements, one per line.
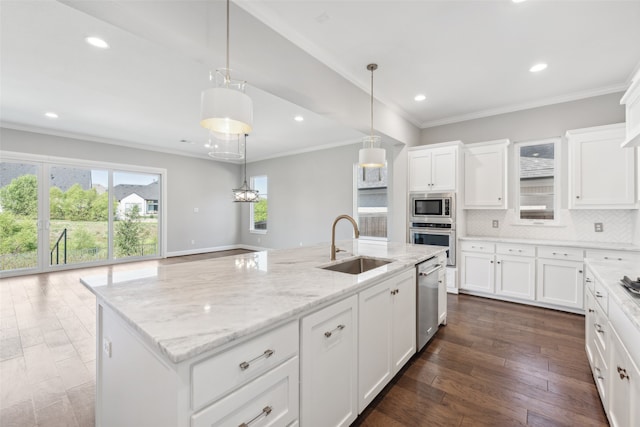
<point>569,243</point>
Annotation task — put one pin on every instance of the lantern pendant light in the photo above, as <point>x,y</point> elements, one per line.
<point>245,193</point>
<point>371,155</point>
<point>225,109</point>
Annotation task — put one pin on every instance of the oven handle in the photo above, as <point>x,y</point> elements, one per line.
<point>431,231</point>
<point>438,267</point>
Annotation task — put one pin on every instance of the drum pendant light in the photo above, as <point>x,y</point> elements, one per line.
<point>245,193</point>
<point>371,155</point>
<point>226,109</point>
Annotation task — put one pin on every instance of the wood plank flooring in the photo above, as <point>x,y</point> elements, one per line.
<point>494,364</point>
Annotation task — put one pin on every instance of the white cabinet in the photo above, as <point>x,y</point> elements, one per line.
<point>624,386</point>
<point>477,272</point>
<point>601,173</point>
<point>442,293</point>
<point>516,271</point>
<point>329,346</point>
<point>485,175</point>
<point>560,276</point>
<point>631,99</point>
<point>387,333</point>
<point>433,169</point>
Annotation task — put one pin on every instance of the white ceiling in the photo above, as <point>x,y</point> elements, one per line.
<point>470,58</point>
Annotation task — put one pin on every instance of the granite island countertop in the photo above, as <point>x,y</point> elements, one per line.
<point>609,273</point>
<point>186,309</point>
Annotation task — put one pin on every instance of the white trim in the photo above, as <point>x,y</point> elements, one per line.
<point>524,106</point>
<point>304,150</point>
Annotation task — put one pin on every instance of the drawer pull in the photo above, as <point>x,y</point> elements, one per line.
<point>619,259</point>
<point>265,411</point>
<point>591,310</point>
<point>588,280</point>
<point>337,328</point>
<point>598,328</point>
<point>599,295</point>
<point>397,291</point>
<point>623,373</point>
<point>245,365</point>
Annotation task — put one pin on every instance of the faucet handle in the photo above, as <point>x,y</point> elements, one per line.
<point>340,250</point>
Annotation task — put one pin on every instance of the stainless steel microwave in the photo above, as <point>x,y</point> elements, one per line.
<point>430,207</point>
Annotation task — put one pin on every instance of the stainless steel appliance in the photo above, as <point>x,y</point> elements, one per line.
<point>437,234</point>
<point>429,207</point>
<point>427,300</point>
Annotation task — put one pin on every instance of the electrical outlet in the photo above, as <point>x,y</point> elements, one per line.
<point>106,347</point>
<point>598,227</point>
<point>495,223</point>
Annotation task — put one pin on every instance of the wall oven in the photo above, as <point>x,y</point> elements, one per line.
<point>424,207</point>
<point>436,234</point>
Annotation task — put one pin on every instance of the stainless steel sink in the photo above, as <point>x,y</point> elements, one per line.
<point>357,265</point>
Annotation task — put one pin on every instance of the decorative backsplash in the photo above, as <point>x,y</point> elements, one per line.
<point>618,225</point>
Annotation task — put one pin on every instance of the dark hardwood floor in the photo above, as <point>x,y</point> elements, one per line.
<point>495,364</point>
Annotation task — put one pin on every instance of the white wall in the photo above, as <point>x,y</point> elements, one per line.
<point>191,183</point>
<point>308,191</point>
<point>621,226</point>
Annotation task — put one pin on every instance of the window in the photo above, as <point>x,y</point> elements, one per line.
<point>371,201</point>
<point>152,207</point>
<point>259,210</point>
<point>537,189</point>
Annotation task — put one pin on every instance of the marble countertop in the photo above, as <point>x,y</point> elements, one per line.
<point>190,308</point>
<point>570,243</point>
<point>609,274</point>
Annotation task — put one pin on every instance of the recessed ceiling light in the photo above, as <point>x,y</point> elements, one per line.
<point>420,97</point>
<point>298,118</point>
<point>51,115</point>
<point>97,42</point>
<point>538,67</point>
<point>518,1</point>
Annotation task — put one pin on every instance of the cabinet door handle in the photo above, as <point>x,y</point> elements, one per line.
<point>623,373</point>
<point>579,271</point>
<point>599,295</point>
<point>591,310</point>
<point>491,262</point>
<point>337,328</point>
<point>265,411</point>
<point>267,353</point>
<point>588,280</point>
<point>598,328</point>
<point>499,198</point>
<point>577,197</point>
<point>498,262</point>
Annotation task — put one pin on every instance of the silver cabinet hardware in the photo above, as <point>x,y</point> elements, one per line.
<point>591,310</point>
<point>265,411</point>
<point>395,291</point>
<point>599,295</point>
<point>491,262</point>
<point>598,328</point>
<point>499,198</point>
<point>426,273</point>
<point>588,280</point>
<point>267,353</point>
<point>577,197</point>
<point>600,377</point>
<point>619,259</point>
<point>337,328</point>
<point>623,373</point>
<point>579,271</point>
<point>498,262</point>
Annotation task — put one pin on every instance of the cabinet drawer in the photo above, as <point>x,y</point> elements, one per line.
<point>269,400</point>
<point>571,254</point>
<point>601,296</point>
<point>601,332</point>
<point>477,247</point>
<point>604,255</point>
<point>512,249</point>
<point>216,376</point>
<point>601,376</point>
<point>629,334</point>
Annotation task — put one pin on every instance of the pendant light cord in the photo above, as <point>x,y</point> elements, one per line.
<point>371,68</point>
<point>228,76</point>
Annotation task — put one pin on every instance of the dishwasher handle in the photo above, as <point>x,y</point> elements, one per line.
<point>438,267</point>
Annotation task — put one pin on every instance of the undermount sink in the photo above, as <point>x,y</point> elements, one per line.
<point>357,265</point>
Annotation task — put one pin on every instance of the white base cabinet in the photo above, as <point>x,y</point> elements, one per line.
<point>560,278</point>
<point>387,333</point>
<point>624,382</point>
<point>329,348</point>
<point>477,272</point>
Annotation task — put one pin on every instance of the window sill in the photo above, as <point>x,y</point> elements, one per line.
<point>258,231</point>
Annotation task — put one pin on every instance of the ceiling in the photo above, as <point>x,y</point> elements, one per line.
<point>470,59</point>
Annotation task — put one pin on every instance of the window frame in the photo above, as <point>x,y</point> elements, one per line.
<point>252,228</point>
<point>556,141</point>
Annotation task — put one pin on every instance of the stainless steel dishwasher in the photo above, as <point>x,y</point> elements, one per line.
<point>427,300</point>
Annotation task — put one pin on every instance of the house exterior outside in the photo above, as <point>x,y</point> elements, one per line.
<point>145,197</point>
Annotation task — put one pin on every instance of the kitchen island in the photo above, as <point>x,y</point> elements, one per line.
<point>164,334</point>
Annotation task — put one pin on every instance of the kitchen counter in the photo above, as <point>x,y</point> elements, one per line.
<point>569,243</point>
<point>609,274</point>
<point>184,310</point>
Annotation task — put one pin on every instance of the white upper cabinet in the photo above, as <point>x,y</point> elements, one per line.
<point>631,100</point>
<point>433,169</point>
<point>601,173</point>
<point>485,175</point>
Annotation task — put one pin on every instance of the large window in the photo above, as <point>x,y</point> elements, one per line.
<point>371,202</point>
<point>537,189</point>
<point>259,210</point>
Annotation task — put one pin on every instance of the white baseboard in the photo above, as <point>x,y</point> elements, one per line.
<point>213,249</point>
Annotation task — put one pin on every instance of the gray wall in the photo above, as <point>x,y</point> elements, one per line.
<point>191,183</point>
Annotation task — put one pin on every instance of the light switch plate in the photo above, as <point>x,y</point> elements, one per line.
<point>495,223</point>
<point>598,227</point>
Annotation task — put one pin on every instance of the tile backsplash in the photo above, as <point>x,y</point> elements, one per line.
<point>618,225</point>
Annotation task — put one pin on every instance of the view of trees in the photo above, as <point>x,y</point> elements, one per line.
<point>260,210</point>
<point>84,213</point>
